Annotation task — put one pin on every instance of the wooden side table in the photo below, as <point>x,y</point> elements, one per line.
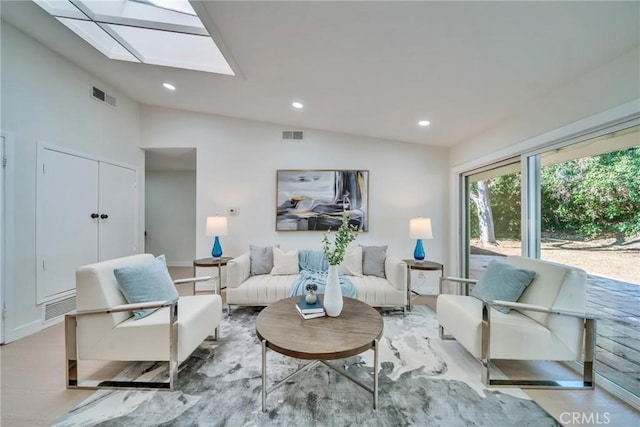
<point>211,262</point>
<point>413,264</point>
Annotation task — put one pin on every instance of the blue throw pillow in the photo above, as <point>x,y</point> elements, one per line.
<point>502,282</point>
<point>146,283</point>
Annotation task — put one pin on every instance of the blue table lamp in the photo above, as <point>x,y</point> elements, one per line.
<point>217,226</point>
<point>420,228</point>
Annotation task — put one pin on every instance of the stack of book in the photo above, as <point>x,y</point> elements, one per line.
<point>309,311</point>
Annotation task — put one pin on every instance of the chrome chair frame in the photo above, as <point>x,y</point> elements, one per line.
<point>71,353</point>
<point>589,322</point>
<point>71,348</point>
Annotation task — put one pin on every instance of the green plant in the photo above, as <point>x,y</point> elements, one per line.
<point>345,235</point>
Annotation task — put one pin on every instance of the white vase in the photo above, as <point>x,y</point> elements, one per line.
<point>333,293</point>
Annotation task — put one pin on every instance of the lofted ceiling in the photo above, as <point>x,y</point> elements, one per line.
<point>371,68</point>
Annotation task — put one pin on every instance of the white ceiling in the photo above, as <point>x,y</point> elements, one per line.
<point>371,68</point>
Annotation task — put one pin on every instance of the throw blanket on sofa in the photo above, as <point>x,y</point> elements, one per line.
<point>313,269</point>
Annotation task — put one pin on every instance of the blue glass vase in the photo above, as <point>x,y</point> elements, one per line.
<point>418,253</point>
<point>216,252</point>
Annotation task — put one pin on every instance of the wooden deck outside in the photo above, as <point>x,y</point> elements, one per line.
<point>616,305</point>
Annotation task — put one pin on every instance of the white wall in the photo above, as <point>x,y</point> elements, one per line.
<point>170,218</point>
<point>237,163</point>
<point>45,97</point>
<point>604,88</point>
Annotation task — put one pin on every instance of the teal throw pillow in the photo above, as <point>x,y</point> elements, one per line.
<point>502,282</point>
<point>146,283</point>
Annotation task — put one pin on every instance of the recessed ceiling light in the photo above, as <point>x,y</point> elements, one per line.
<point>297,105</point>
<point>424,122</point>
<point>169,86</point>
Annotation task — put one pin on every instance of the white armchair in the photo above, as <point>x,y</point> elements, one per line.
<point>548,322</point>
<point>103,327</point>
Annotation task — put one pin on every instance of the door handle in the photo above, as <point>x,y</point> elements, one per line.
<point>94,215</point>
<point>104,216</point>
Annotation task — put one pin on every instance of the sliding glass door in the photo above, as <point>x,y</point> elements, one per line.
<point>493,212</point>
<point>590,218</point>
<point>577,203</point>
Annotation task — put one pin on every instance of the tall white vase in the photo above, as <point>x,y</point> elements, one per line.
<point>333,293</point>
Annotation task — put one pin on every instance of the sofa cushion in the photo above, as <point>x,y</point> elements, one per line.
<point>284,262</point>
<point>261,290</point>
<point>352,263</point>
<point>502,282</point>
<point>261,259</point>
<point>378,292</point>
<point>146,283</point>
<point>373,260</point>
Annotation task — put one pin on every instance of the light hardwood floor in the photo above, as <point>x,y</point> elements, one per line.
<point>33,392</point>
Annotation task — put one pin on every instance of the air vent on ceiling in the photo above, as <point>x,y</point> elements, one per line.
<point>292,134</point>
<point>102,96</point>
<point>56,309</point>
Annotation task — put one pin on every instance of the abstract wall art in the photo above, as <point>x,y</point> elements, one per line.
<point>317,199</point>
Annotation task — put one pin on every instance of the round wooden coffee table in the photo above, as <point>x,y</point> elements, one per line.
<point>281,329</point>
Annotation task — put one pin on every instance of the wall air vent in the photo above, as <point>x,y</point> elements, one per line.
<point>102,96</point>
<point>292,134</point>
<point>54,310</point>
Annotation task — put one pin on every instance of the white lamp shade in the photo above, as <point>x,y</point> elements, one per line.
<point>420,228</point>
<point>217,226</point>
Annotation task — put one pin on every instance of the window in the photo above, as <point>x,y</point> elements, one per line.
<point>589,217</point>
<point>166,33</point>
<point>493,206</point>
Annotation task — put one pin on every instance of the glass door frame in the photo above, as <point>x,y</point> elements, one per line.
<point>464,212</point>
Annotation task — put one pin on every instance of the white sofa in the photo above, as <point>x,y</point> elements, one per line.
<point>261,290</point>
<point>103,328</point>
<point>548,322</point>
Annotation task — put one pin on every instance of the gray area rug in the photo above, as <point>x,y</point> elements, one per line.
<point>423,382</point>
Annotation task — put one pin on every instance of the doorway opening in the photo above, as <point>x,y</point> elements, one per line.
<point>170,204</point>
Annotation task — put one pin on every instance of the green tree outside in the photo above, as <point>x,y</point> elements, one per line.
<point>591,197</point>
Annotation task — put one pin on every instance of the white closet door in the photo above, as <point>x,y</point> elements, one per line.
<point>118,204</point>
<point>67,238</point>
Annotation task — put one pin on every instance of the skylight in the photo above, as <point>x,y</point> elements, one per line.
<point>178,6</point>
<point>159,32</point>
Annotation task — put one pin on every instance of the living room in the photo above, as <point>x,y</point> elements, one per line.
<point>47,73</point>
